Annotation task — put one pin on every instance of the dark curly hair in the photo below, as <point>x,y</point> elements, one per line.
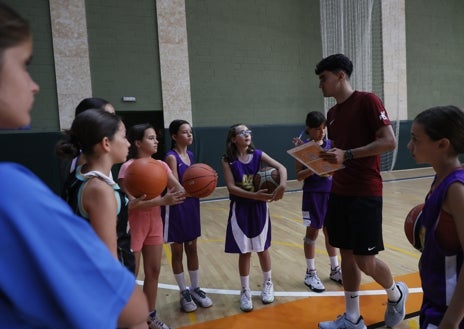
<point>335,63</point>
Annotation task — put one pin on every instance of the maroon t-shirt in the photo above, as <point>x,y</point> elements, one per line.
<point>352,124</point>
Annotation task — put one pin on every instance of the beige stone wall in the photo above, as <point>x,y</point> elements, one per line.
<point>173,48</point>
<point>394,58</point>
<point>71,54</point>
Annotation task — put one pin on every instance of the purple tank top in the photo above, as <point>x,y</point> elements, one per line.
<point>181,166</point>
<point>244,172</point>
<point>438,269</point>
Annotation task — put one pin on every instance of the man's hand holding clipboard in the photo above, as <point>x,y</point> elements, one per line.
<point>309,154</point>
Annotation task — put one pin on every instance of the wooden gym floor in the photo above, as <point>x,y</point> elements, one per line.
<point>295,305</point>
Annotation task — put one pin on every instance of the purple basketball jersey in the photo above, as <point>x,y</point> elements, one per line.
<point>182,221</point>
<point>438,269</point>
<point>249,223</point>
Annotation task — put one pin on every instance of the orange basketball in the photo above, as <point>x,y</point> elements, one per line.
<point>412,227</point>
<point>145,176</point>
<point>266,178</point>
<point>445,232</point>
<point>199,180</point>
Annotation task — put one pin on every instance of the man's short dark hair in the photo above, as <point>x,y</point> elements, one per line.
<point>335,63</point>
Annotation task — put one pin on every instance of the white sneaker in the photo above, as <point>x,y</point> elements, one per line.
<point>186,302</point>
<point>336,275</point>
<point>342,323</point>
<point>267,295</point>
<point>200,298</point>
<point>246,304</point>
<point>313,282</point>
<point>154,322</point>
<point>397,310</point>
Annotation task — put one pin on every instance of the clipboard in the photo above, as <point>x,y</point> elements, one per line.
<point>309,155</point>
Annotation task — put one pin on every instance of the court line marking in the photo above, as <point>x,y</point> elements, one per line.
<point>292,293</point>
<point>284,293</point>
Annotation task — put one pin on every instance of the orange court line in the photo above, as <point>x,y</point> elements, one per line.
<point>308,312</point>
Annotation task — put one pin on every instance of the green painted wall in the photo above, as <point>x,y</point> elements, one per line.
<point>123,50</point>
<point>434,51</point>
<point>250,61</point>
<point>42,68</point>
<point>253,61</point>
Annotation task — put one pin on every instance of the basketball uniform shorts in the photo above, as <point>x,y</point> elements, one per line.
<point>314,208</point>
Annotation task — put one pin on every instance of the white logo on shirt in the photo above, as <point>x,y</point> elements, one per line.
<point>383,116</point>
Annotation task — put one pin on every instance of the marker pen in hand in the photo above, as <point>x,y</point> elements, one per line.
<point>299,141</point>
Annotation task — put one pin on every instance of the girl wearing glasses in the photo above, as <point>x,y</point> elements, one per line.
<point>249,224</point>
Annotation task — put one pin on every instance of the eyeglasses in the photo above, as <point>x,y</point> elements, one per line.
<point>244,132</point>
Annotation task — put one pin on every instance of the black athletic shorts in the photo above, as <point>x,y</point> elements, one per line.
<point>355,223</point>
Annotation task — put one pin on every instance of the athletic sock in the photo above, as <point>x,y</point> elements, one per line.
<point>393,293</point>
<point>180,279</point>
<point>245,281</point>
<point>194,279</point>
<point>333,262</point>
<point>267,275</point>
<point>311,264</point>
<point>352,306</point>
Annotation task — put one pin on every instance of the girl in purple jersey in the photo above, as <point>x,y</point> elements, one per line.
<point>437,138</point>
<point>182,222</point>
<point>249,223</point>
<point>316,191</point>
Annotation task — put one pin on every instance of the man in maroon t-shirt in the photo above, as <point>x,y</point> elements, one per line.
<point>360,130</point>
